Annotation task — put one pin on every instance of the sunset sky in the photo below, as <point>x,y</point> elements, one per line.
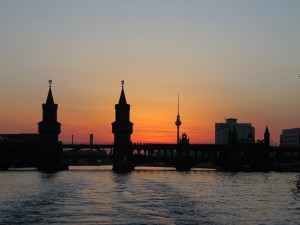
<point>226,59</point>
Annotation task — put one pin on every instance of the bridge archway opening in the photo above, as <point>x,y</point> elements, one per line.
<point>169,154</point>
<point>192,154</point>
<point>175,153</point>
<point>161,154</point>
<point>199,154</point>
<point>155,153</point>
<point>142,152</point>
<point>136,152</point>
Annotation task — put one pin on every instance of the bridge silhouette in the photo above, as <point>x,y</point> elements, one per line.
<point>182,156</point>
<point>46,153</point>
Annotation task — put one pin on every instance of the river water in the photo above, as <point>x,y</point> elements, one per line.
<point>96,195</point>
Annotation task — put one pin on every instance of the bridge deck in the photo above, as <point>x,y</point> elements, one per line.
<point>82,146</point>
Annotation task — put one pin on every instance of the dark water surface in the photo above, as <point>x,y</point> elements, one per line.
<point>96,195</point>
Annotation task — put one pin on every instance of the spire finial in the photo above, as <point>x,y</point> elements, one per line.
<point>122,96</point>
<point>50,82</point>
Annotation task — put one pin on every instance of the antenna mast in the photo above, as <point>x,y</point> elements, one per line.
<point>178,104</point>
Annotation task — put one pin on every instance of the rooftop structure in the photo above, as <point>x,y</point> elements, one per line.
<point>290,138</point>
<point>232,131</point>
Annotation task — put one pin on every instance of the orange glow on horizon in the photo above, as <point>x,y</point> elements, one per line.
<point>154,121</point>
<point>153,118</point>
<point>152,113</point>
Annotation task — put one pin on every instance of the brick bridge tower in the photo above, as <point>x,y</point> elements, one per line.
<point>122,130</point>
<point>50,155</point>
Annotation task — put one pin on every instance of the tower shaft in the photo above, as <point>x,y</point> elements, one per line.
<point>122,130</point>
<point>50,154</point>
<point>178,123</point>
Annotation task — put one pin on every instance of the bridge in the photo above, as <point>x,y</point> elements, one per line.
<point>255,157</point>
<point>182,156</point>
<point>44,152</point>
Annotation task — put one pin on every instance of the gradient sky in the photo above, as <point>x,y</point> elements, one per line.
<point>226,59</point>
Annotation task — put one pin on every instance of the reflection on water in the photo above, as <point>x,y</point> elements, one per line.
<point>298,183</point>
<point>96,195</point>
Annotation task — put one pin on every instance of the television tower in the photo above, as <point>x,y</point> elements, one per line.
<point>178,123</point>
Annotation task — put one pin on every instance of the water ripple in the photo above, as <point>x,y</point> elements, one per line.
<point>99,196</point>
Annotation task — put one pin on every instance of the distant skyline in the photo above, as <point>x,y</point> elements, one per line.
<point>237,59</point>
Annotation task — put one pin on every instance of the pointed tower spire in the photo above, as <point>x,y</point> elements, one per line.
<point>50,100</point>
<point>267,130</point>
<point>267,137</point>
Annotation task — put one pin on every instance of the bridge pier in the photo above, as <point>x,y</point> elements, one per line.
<point>248,157</point>
<point>183,158</point>
<point>183,166</point>
<point>50,157</point>
<point>122,158</point>
<point>4,165</point>
<point>5,160</point>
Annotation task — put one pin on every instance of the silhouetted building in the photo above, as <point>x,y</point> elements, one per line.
<point>232,132</point>
<point>290,138</point>
<point>122,130</point>
<point>50,156</point>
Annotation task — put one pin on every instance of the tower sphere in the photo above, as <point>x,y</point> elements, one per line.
<point>178,122</point>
